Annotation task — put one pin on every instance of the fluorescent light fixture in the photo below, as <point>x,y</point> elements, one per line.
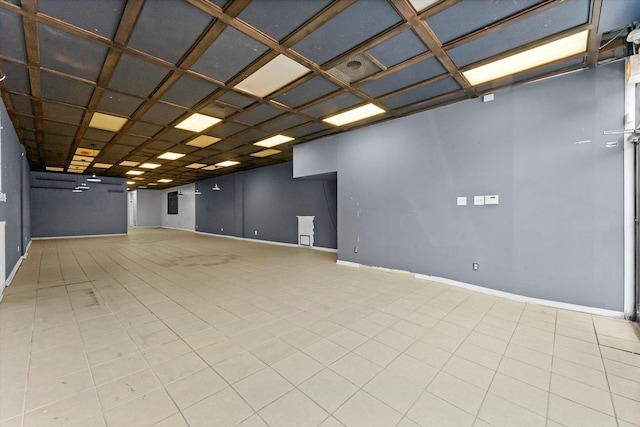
<point>227,163</point>
<point>102,165</point>
<point>152,183</point>
<point>134,172</point>
<point>196,165</point>
<point>549,52</point>
<point>137,178</point>
<point>107,122</point>
<point>170,156</point>
<point>273,141</point>
<point>55,169</point>
<point>354,115</point>
<point>129,164</point>
<point>197,122</point>
<point>81,158</point>
<point>149,165</point>
<point>211,168</point>
<point>277,73</point>
<point>165,180</point>
<point>203,141</point>
<point>266,153</point>
<point>76,190</point>
<point>130,182</point>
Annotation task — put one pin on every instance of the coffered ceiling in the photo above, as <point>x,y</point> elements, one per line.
<point>105,86</point>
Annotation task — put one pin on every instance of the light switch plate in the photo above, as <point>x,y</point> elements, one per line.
<point>462,201</point>
<point>492,200</point>
<point>478,200</point>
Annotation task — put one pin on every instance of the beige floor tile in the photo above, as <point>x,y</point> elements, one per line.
<point>355,368</point>
<point>624,387</point>
<point>300,338</point>
<point>528,356</point>
<point>180,367</point>
<point>11,403</point>
<point>431,411</point>
<point>262,388</point>
<point>328,389</point>
<point>487,342</point>
<point>469,371</point>
<point>581,393</point>
<point>118,368</point>
<point>224,408</point>
<point>499,412</point>
<point>620,356</point>
<point>395,339</point>
<point>627,409</point>
<point>272,351</point>
<point>394,391</point>
<point>72,410</point>
<point>145,410</point>
<point>581,358</point>
<point>429,354</point>
<point>457,392</point>
<point>347,338</point>
<point>220,351</point>
<point>376,352</point>
<point>175,420</point>
<point>526,373</point>
<point>44,391</point>
<point>574,371</point>
<point>325,351</point>
<point>111,352</point>
<point>331,422</point>
<point>127,388</point>
<point>238,367</point>
<point>412,370</point>
<point>521,394</point>
<point>481,356</point>
<point>622,370</point>
<point>297,368</point>
<point>164,352</point>
<point>364,410</point>
<point>293,409</point>
<point>12,422</point>
<point>572,414</point>
<point>195,387</point>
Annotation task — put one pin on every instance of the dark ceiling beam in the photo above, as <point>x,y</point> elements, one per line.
<point>429,38</point>
<point>593,45</point>
<point>30,26</point>
<point>125,29</point>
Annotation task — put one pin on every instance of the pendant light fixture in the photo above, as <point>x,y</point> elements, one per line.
<point>215,185</point>
<point>77,188</point>
<point>197,192</point>
<point>84,185</point>
<point>93,177</point>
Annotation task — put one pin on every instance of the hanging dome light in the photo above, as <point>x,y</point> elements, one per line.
<point>216,188</point>
<point>197,192</point>
<point>94,178</point>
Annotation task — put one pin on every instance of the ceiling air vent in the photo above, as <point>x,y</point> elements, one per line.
<point>356,68</point>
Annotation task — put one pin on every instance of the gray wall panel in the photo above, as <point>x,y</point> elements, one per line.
<point>557,233</point>
<point>14,165</point>
<point>267,200</point>
<point>56,211</point>
<point>149,208</point>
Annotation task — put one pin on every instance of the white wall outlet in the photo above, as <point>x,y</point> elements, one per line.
<point>478,200</point>
<point>255,233</point>
<point>221,228</point>
<point>462,201</point>
<point>492,200</point>
<point>488,97</point>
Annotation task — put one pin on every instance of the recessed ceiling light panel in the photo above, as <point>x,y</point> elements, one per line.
<point>164,180</point>
<point>273,141</point>
<point>102,165</point>
<point>196,165</point>
<point>129,164</point>
<point>150,165</point>
<point>54,169</point>
<point>354,115</point>
<point>277,73</point>
<point>203,141</point>
<point>266,153</point>
<point>170,156</point>
<point>227,163</point>
<point>549,52</point>
<point>107,122</point>
<point>134,172</point>
<point>197,122</point>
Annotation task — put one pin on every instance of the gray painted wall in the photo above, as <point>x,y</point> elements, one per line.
<point>149,208</point>
<point>186,217</point>
<point>557,233</point>
<point>16,210</point>
<point>56,211</point>
<point>267,200</point>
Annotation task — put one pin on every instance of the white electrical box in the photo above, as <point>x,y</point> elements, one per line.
<point>491,200</point>
<point>478,200</point>
<point>462,201</point>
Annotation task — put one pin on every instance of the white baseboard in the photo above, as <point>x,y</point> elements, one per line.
<point>176,228</point>
<point>521,298</point>
<point>90,236</point>
<point>268,242</point>
<point>348,263</point>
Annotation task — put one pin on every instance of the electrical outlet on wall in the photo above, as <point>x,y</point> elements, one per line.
<point>255,233</point>
<point>476,266</point>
